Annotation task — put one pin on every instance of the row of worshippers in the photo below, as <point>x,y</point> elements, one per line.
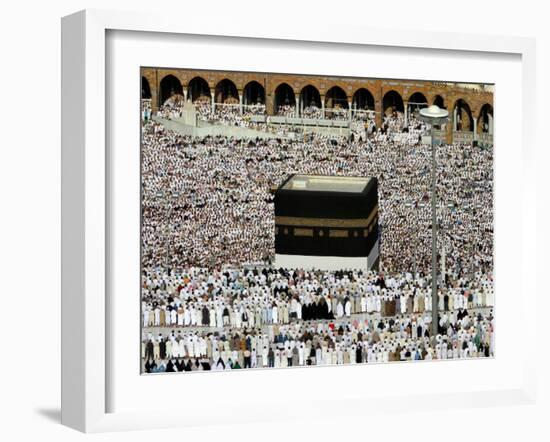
<point>279,297</point>
<point>400,339</point>
<point>220,314</point>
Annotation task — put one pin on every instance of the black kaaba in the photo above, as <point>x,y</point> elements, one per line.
<point>327,222</point>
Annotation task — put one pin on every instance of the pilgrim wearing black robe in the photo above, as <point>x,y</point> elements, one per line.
<point>205,316</point>
<point>170,367</point>
<point>305,312</point>
<point>358,355</point>
<point>162,349</point>
<point>149,350</point>
<point>322,309</point>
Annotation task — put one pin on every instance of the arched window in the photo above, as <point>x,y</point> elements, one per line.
<point>145,89</point>
<point>254,93</point>
<point>169,86</point>
<point>439,102</point>
<point>226,92</point>
<point>392,102</point>
<point>363,99</point>
<point>198,89</point>
<point>336,103</point>
<point>310,97</point>
<point>417,101</point>
<point>462,117</point>
<point>336,98</point>
<point>485,120</point>
<point>310,103</point>
<point>284,99</point>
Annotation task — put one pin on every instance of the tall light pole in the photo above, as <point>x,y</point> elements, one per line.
<point>434,116</point>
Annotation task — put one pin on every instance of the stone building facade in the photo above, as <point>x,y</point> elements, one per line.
<point>470,106</point>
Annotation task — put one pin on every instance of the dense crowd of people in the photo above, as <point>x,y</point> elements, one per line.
<point>312,112</point>
<point>377,340</point>
<point>254,109</point>
<point>233,114</point>
<point>337,113</point>
<point>248,298</point>
<point>286,110</point>
<point>226,114</point>
<point>146,110</point>
<point>208,217</point>
<point>172,107</point>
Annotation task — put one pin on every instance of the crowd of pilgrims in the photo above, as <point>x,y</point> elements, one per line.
<point>146,110</point>
<point>349,341</point>
<point>249,298</point>
<point>229,112</point>
<point>208,215</point>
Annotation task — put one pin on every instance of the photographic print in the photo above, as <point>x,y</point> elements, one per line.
<point>293,220</point>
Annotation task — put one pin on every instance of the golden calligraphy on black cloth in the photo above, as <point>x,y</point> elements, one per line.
<point>293,221</point>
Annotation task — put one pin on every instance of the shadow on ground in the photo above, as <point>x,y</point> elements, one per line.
<point>51,414</point>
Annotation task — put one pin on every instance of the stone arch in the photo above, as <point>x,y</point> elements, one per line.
<point>363,99</point>
<point>253,93</point>
<point>439,101</point>
<point>226,92</point>
<point>462,116</point>
<point>198,89</point>
<point>170,86</point>
<point>485,119</point>
<point>284,96</point>
<point>336,98</point>
<point>392,101</point>
<point>310,96</point>
<point>417,100</point>
<point>145,89</point>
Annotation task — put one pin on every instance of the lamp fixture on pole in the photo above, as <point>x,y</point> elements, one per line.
<point>434,116</point>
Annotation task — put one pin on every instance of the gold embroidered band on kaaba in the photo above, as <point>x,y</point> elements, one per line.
<point>338,234</point>
<point>326,222</point>
<point>303,232</point>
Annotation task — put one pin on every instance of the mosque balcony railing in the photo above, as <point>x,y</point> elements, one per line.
<point>439,135</point>
<point>463,137</point>
<point>485,139</point>
<point>293,121</point>
<point>258,118</point>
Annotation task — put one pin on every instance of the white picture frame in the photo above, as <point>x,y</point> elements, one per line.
<point>86,349</point>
